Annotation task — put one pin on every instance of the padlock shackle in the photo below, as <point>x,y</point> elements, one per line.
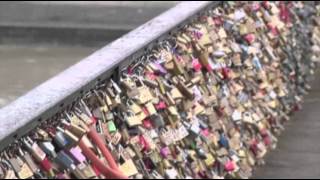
<point>6,163</point>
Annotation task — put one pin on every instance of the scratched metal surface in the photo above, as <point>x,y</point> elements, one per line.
<point>27,109</point>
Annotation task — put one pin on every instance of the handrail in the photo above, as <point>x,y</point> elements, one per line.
<point>54,95</point>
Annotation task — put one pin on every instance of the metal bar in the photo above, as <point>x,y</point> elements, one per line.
<point>44,101</point>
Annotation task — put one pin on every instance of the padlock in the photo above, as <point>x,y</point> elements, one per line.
<point>29,161</point>
<point>49,149</point>
<point>157,121</point>
<point>24,171</point>
<point>116,138</point>
<point>38,155</point>
<point>135,108</point>
<point>129,168</point>
<point>87,170</point>
<point>150,108</point>
<point>132,119</point>
<point>64,160</point>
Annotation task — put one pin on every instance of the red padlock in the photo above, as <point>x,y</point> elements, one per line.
<point>217,21</point>
<point>144,143</point>
<point>266,4</point>
<point>254,147</point>
<point>129,70</point>
<point>285,15</point>
<point>209,68</point>
<point>266,137</point>
<point>147,124</point>
<point>225,73</point>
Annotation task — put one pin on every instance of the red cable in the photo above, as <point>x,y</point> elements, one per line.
<point>106,153</point>
<point>101,145</point>
<point>113,172</point>
<point>106,171</point>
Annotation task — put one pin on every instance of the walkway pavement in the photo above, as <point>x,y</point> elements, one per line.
<point>298,152</point>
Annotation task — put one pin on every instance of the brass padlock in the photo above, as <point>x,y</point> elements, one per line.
<point>132,119</point>
<point>128,168</point>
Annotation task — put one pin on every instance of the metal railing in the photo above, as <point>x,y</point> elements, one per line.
<point>61,91</point>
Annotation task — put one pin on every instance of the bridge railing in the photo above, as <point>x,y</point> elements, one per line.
<point>59,92</point>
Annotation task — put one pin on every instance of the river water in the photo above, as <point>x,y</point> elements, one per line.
<point>24,67</point>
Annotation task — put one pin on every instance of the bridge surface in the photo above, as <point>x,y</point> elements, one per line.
<point>297,154</point>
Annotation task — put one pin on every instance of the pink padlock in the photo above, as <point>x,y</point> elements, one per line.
<point>217,21</point>
<point>165,152</point>
<point>267,141</point>
<point>229,166</point>
<point>147,124</point>
<point>263,132</point>
<point>77,154</point>
<point>205,132</point>
<point>198,34</point>
<point>255,6</point>
<point>250,38</point>
<point>61,176</point>
<point>273,29</point>
<point>151,76</point>
<point>196,65</point>
<point>161,105</point>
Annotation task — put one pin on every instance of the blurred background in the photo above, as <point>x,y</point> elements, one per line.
<point>39,39</point>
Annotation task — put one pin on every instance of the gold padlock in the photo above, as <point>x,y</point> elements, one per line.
<point>185,90</point>
<point>198,109</point>
<point>25,172</point>
<point>151,109</point>
<point>175,93</point>
<point>222,33</point>
<point>133,120</point>
<point>87,171</point>
<point>210,160</point>
<point>128,168</point>
<point>177,67</point>
<point>145,95</point>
